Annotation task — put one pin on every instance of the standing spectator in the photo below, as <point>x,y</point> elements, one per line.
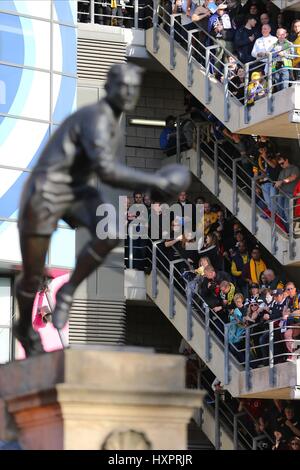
<point>255,267</point>
<point>288,423</point>
<point>282,53</point>
<point>294,443</point>
<point>167,140</point>
<point>269,165</point>
<point>287,180</point>
<point>244,39</point>
<point>296,60</point>
<point>219,26</point>
<point>292,318</point>
<point>272,281</point>
<point>239,260</point>
<point>274,313</point>
<point>236,88</point>
<point>257,88</point>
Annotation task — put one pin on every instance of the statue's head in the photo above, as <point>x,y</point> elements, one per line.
<point>123,86</point>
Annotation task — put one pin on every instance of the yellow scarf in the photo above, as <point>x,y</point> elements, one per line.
<point>113,4</point>
<point>256,268</point>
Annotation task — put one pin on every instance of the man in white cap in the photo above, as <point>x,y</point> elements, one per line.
<point>220,27</point>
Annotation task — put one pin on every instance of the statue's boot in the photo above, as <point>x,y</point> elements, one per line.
<point>64,300</point>
<point>29,339</point>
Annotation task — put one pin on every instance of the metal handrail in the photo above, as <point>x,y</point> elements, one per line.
<point>247,184</point>
<point>233,418</point>
<point>206,316</point>
<point>208,62</point>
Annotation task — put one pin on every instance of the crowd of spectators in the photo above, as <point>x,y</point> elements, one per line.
<point>226,271</point>
<point>274,424</point>
<point>242,34</point>
<point>259,157</point>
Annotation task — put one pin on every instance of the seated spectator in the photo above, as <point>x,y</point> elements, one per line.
<point>209,217</point>
<point>245,38</point>
<point>282,59</point>
<point>167,138</point>
<point>255,267</point>
<point>236,333</point>
<point>269,166</point>
<point>264,44</point>
<point>254,294</point>
<point>220,27</point>
<point>257,88</point>
<point>287,180</point>
<point>265,19</point>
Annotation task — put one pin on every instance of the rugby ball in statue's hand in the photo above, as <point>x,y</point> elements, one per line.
<point>172,179</point>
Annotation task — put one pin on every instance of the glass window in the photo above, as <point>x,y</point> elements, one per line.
<point>5,319</point>
<point>27,92</point>
<point>62,250</point>
<point>64,97</point>
<point>64,49</point>
<point>28,7</point>
<point>65,11</point>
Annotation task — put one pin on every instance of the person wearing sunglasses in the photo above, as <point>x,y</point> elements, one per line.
<point>287,180</point>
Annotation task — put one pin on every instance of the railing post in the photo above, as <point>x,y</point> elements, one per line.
<point>178,154</point>
<point>155,25</point>
<point>226,353</point>
<point>226,94</point>
<point>190,57</point>
<point>136,14</point>
<point>271,355</point>
<point>246,84</point>
<point>273,226</point>
<point>235,432</point>
<point>207,334</point>
<point>92,11</point>
<point>269,72</point>
<point>189,312</point>
<point>253,206</point>
<point>291,228</point>
<point>172,42</point>
<point>207,84</point>
<point>247,361</point>
<point>130,230</point>
<point>171,290</point>
<point>216,169</point>
<point>199,153</point>
<point>154,269</point>
<point>234,188</point>
<point>217,421</point>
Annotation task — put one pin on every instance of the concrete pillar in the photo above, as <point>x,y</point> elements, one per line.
<point>94,398</point>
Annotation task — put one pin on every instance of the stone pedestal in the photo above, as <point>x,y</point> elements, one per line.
<point>90,398</point>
